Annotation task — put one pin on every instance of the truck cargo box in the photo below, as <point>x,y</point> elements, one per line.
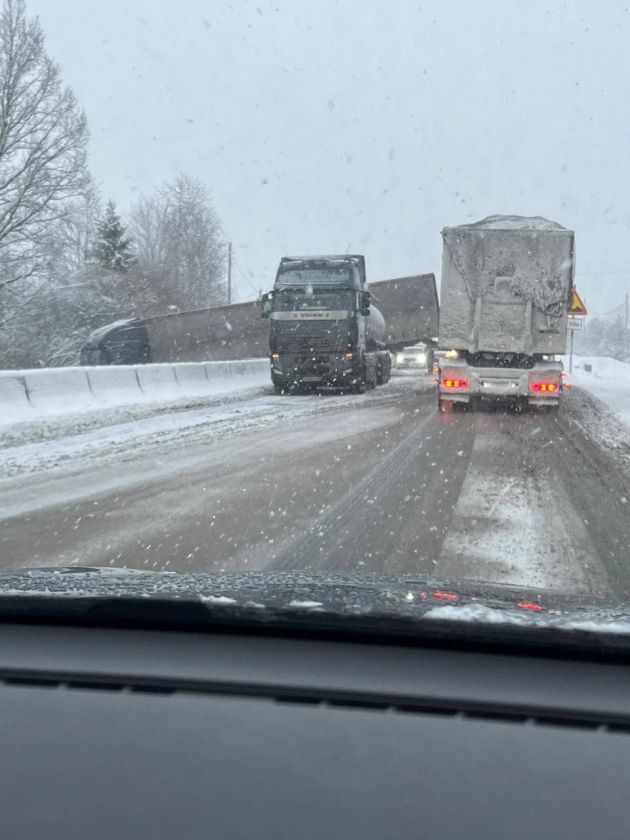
<point>506,286</point>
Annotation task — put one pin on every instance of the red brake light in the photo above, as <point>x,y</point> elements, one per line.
<point>455,383</point>
<point>446,596</point>
<point>530,605</point>
<point>545,387</point>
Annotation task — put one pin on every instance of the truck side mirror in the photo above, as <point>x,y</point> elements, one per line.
<point>266,305</point>
<point>364,303</point>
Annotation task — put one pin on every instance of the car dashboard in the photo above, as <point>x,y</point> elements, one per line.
<point>114,732</point>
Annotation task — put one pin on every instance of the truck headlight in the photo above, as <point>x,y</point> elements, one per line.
<point>400,359</point>
<point>421,358</point>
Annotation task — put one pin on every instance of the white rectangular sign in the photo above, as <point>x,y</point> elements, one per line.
<point>575,324</point>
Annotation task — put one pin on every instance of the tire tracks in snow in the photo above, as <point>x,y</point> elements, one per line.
<point>396,518</point>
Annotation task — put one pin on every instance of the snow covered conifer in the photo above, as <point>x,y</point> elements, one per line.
<point>112,249</point>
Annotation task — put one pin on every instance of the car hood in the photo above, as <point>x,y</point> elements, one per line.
<point>409,599</point>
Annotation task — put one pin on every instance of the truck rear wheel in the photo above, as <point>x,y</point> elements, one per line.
<point>466,406</point>
<point>371,373</point>
<point>383,370</point>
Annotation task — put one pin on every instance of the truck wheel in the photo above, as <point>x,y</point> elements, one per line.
<point>278,389</point>
<point>359,385</point>
<point>373,375</point>
<point>379,373</point>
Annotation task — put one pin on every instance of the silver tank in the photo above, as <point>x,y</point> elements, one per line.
<point>375,327</point>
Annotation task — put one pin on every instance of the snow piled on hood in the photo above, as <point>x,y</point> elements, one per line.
<point>480,614</point>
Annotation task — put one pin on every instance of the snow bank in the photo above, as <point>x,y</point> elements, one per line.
<point>33,394</point>
<point>607,379</point>
<point>13,400</point>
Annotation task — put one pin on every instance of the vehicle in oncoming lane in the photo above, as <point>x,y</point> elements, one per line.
<point>419,357</point>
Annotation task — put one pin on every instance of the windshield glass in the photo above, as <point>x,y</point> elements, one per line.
<point>311,276</point>
<point>182,395</point>
<point>313,299</point>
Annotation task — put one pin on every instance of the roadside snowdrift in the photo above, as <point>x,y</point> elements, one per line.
<point>607,379</point>
<point>27,395</point>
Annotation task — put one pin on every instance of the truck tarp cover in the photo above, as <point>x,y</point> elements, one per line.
<point>506,285</point>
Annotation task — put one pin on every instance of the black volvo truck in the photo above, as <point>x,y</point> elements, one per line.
<point>325,332</point>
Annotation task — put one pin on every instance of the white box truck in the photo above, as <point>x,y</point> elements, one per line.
<point>506,288</point>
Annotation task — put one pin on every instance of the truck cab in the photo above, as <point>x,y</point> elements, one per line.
<point>324,331</point>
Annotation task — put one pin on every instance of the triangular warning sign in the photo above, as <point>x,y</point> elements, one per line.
<point>576,306</point>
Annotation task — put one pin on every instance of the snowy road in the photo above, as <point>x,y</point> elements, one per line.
<point>378,482</point>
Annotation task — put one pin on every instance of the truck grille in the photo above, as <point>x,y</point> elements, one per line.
<point>304,345</point>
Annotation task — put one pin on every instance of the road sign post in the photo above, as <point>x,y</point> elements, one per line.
<point>577,310</point>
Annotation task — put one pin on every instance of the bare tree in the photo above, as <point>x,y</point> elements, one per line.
<point>70,239</point>
<point>177,236</point>
<point>43,137</point>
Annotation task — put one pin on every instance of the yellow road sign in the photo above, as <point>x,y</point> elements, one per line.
<point>576,306</point>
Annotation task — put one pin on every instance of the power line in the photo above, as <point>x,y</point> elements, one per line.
<point>242,274</point>
<point>602,273</point>
<point>617,308</point>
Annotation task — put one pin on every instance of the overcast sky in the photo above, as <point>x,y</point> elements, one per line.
<point>324,126</point>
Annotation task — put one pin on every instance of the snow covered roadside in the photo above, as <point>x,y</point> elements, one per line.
<point>599,403</point>
<point>71,424</point>
<point>137,433</point>
<point>608,379</point>
<point>28,396</point>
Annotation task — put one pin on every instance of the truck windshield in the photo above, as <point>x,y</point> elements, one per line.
<point>327,275</point>
<point>296,299</point>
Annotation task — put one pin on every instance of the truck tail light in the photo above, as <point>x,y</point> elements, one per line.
<point>455,383</point>
<point>348,355</point>
<point>275,356</point>
<point>544,387</point>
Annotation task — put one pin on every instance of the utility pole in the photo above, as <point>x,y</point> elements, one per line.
<point>229,274</point>
<point>626,310</point>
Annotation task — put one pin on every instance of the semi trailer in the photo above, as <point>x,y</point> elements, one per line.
<point>506,288</point>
